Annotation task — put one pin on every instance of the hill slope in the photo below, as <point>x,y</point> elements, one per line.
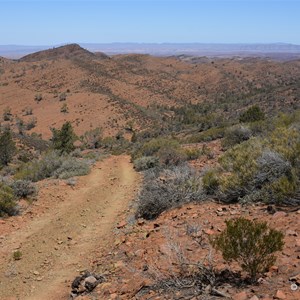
<point>110,92</point>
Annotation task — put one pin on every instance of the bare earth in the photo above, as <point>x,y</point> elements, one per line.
<point>64,231</point>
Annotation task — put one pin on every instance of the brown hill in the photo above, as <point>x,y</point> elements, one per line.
<point>110,92</point>
<point>63,52</point>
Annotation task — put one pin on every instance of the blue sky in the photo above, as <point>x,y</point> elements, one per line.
<point>99,21</point>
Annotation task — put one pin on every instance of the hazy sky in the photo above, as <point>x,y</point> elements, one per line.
<point>53,22</point>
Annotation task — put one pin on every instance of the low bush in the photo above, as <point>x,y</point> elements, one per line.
<point>72,167</point>
<point>252,114</point>
<point>145,163</point>
<point>8,205</point>
<point>38,97</point>
<point>207,136</point>
<point>171,156</point>
<point>92,138</point>
<point>192,153</point>
<point>152,147</point>
<point>210,182</point>
<point>52,164</point>
<point>236,135</point>
<point>166,189</point>
<point>23,188</point>
<point>250,243</point>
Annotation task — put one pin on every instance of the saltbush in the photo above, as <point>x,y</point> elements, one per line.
<point>23,188</point>
<point>168,188</point>
<point>52,164</point>
<point>71,168</point>
<point>145,163</point>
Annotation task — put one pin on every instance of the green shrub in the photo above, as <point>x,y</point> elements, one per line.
<point>252,114</point>
<point>236,135</point>
<point>250,243</point>
<point>53,164</point>
<point>63,139</point>
<point>42,168</point>
<point>210,182</point>
<point>153,146</point>
<point>17,255</point>
<point>239,168</point>
<point>192,153</point>
<point>8,205</point>
<point>145,163</point>
<point>171,156</point>
<point>207,136</point>
<point>7,147</point>
<point>286,141</point>
<point>283,189</point>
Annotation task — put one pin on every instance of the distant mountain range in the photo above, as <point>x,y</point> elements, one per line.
<point>276,50</point>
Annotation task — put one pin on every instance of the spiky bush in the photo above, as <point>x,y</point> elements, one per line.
<point>250,243</point>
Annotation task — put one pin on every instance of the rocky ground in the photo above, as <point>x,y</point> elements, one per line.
<point>149,258</point>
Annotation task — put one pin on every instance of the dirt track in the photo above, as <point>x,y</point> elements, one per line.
<point>65,237</point>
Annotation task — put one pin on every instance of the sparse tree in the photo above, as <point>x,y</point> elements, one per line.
<point>7,147</point>
<point>63,139</point>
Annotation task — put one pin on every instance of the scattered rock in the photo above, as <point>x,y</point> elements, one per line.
<point>280,295</point>
<point>240,296</point>
<point>291,232</point>
<point>279,214</point>
<point>254,298</point>
<point>122,224</point>
<point>295,279</point>
<point>85,283</point>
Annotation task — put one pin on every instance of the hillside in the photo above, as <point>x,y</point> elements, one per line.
<point>111,92</point>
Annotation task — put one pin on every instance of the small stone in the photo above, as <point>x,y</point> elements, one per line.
<point>122,224</point>
<point>254,298</point>
<point>295,279</point>
<point>90,283</point>
<point>240,296</point>
<point>209,232</point>
<point>279,214</point>
<point>274,269</point>
<point>280,295</point>
<point>291,232</point>
<point>39,278</point>
<point>36,273</point>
